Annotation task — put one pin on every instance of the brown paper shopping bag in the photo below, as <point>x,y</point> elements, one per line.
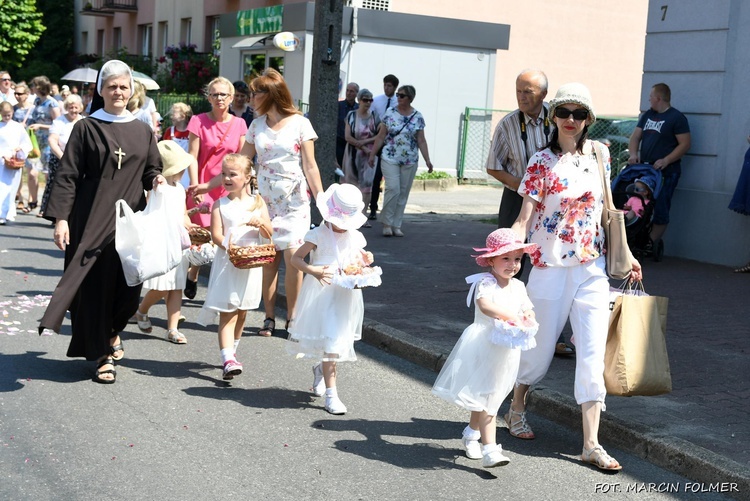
<point>636,360</point>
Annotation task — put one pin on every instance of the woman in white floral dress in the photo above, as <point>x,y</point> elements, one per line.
<point>287,174</point>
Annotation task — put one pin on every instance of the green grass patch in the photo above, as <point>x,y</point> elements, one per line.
<point>436,174</point>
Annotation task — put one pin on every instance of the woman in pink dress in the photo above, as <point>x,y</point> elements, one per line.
<point>213,135</point>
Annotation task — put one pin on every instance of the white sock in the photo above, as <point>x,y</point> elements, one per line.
<point>486,449</point>
<point>471,434</point>
<point>227,354</point>
<point>331,392</point>
<point>236,343</point>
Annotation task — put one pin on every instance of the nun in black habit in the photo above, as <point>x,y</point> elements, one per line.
<point>110,156</point>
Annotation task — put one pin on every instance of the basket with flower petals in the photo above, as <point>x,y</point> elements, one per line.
<point>251,256</point>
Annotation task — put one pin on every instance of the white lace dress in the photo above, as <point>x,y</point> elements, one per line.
<point>328,318</point>
<point>478,374</point>
<point>230,288</point>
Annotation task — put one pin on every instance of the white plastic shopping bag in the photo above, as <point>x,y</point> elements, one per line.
<point>148,241</point>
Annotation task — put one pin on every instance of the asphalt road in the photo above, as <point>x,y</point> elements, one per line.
<point>170,428</point>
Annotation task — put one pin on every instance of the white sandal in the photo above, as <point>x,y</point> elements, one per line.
<point>599,458</point>
<point>519,427</point>
<point>144,324</point>
<point>176,337</point>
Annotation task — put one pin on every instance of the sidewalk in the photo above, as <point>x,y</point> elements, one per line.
<point>700,430</point>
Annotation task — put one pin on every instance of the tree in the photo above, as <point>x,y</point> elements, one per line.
<point>52,55</point>
<point>21,26</point>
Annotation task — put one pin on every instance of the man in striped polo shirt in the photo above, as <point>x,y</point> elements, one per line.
<point>519,135</point>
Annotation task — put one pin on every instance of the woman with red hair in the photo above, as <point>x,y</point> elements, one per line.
<point>287,173</point>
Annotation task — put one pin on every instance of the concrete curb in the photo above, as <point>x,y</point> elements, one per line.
<point>674,454</point>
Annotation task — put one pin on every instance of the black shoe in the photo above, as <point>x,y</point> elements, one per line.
<point>659,251</point>
<point>191,288</point>
<point>373,215</point>
<point>648,250</point>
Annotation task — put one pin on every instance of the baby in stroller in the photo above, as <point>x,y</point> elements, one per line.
<point>634,191</point>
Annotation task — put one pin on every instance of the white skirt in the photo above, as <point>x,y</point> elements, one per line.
<point>478,374</point>
<point>173,280</point>
<point>230,289</point>
<point>327,321</point>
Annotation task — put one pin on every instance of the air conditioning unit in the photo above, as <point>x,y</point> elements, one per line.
<point>371,4</point>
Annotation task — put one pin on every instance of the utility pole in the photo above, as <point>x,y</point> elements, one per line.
<point>324,84</point>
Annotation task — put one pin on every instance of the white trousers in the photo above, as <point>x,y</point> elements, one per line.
<point>398,181</point>
<point>580,293</point>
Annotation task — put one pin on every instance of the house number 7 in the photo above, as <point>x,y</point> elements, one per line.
<point>663,12</point>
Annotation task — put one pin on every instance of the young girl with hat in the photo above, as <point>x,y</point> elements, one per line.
<point>169,286</point>
<point>482,368</point>
<point>329,318</point>
<point>239,218</point>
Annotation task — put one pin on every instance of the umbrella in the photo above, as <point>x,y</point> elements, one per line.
<point>145,80</point>
<point>81,75</point>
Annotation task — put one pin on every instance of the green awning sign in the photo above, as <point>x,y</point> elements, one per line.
<point>258,21</point>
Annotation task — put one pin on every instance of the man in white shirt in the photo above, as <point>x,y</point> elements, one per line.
<point>6,91</point>
<point>380,104</point>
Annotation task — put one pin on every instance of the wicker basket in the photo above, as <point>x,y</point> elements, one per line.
<point>200,236</point>
<point>14,163</point>
<point>251,256</point>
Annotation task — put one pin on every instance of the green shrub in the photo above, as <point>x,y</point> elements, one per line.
<point>436,174</point>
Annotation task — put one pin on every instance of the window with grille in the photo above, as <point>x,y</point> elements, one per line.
<point>376,4</point>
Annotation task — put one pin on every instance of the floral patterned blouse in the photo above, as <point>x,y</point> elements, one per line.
<point>567,220</point>
<point>401,148</point>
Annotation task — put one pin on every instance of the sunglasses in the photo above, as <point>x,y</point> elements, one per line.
<point>366,100</point>
<point>402,96</point>
<point>19,93</point>
<point>579,114</point>
<point>5,79</point>
<point>256,92</point>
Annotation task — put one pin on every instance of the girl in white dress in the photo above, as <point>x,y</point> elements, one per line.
<point>481,370</point>
<point>329,317</point>
<point>240,218</point>
<point>168,286</point>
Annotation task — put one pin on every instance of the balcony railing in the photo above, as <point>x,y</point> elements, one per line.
<point>108,7</point>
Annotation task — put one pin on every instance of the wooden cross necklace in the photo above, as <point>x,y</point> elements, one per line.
<point>119,154</point>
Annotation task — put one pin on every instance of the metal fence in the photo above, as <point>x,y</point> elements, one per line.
<point>478,126</point>
<point>165,100</point>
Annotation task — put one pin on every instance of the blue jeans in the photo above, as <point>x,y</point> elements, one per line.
<point>663,202</point>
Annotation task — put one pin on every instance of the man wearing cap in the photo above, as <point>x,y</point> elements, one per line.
<point>346,105</point>
<point>663,135</point>
<point>6,89</point>
<point>519,135</point>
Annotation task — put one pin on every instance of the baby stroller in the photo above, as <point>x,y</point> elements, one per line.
<point>623,187</point>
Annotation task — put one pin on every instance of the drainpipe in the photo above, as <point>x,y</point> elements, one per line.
<point>355,10</point>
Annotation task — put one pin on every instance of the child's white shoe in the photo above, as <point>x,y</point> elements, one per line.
<point>493,456</point>
<point>335,406</point>
<point>319,384</point>
<point>472,447</point>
